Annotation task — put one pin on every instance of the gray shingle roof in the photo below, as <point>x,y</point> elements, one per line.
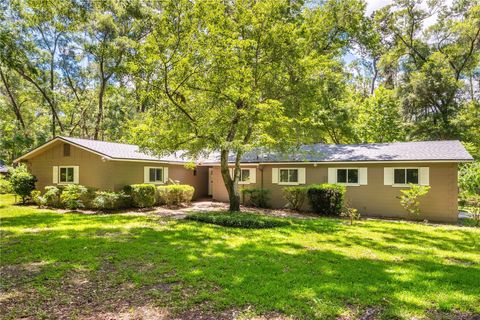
<point>123,150</point>
<point>451,150</point>
<point>396,151</point>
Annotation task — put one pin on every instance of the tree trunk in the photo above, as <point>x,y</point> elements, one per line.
<point>98,123</point>
<point>375,75</point>
<point>230,184</point>
<point>16,108</point>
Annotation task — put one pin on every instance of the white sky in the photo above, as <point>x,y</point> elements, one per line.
<point>373,5</point>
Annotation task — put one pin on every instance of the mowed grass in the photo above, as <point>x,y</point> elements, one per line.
<point>74,265</point>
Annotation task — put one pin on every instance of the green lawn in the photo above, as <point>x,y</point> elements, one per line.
<point>77,266</point>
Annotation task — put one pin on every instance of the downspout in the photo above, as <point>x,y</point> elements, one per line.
<point>260,167</point>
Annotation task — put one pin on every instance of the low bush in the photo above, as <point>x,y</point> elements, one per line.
<point>5,186</point>
<point>51,197</point>
<point>107,200</point>
<point>295,197</point>
<point>238,220</point>
<point>175,194</point>
<point>35,195</point>
<point>468,199</point>
<point>469,177</point>
<point>255,197</point>
<point>22,182</point>
<point>350,213</point>
<point>143,195</point>
<point>326,199</point>
<point>75,196</point>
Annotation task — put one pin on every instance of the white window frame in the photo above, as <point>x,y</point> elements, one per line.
<point>288,183</point>
<point>240,181</point>
<point>60,175</point>
<point>349,184</point>
<point>156,181</point>
<point>252,175</point>
<point>404,185</point>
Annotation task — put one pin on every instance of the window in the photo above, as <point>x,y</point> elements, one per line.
<point>156,175</point>
<point>244,175</point>
<point>66,150</point>
<point>347,176</point>
<point>288,175</point>
<point>66,175</point>
<point>405,176</point>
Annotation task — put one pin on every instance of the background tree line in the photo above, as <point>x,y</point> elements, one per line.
<point>232,75</point>
<point>94,68</point>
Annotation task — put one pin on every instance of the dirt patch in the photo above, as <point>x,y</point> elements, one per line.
<point>179,212</point>
<point>452,315</point>
<point>357,313</point>
<point>143,313</point>
<point>463,262</point>
<point>229,314</point>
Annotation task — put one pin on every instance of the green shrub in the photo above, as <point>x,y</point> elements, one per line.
<point>295,197</point>
<point>238,220</point>
<point>5,186</point>
<point>107,200</point>
<point>469,177</point>
<point>51,197</point>
<point>327,199</point>
<point>410,198</point>
<point>22,182</point>
<point>175,194</point>
<point>74,196</point>
<point>351,213</point>
<point>143,195</point>
<point>255,197</point>
<point>35,195</point>
<point>468,199</point>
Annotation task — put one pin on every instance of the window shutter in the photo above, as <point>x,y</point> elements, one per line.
<point>332,175</point>
<point>363,176</point>
<point>55,174</point>
<point>388,176</point>
<point>253,175</point>
<point>76,174</point>
<point>165,174</point>
<point>424,176</point>
<point>301,175</point>
<point>146,174</point>
<point>274,175</point>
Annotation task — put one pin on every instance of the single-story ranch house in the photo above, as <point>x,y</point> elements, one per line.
<point>374,174</point>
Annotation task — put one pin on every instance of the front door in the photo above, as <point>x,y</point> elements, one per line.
<point>210,181</point>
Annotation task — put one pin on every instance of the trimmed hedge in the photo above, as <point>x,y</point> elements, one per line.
<point>255,197</point>
<point>143,195</point>
<point>326,199</point>
<point>175,194</point>
<point>75,196</point>
<point>51,197</point>
<point>238,220</point>
<point>107,200</point>
<point>295,197</point>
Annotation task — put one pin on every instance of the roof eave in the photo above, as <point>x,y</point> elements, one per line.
<point>217,163</point>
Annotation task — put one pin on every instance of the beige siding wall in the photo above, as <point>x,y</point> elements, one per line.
<point>93,171</point>
<point>130,172</point>
<point>373,199</point>
<point>108,175</point>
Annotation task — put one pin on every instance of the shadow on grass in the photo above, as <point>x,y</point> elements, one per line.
<point>228,268</point>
